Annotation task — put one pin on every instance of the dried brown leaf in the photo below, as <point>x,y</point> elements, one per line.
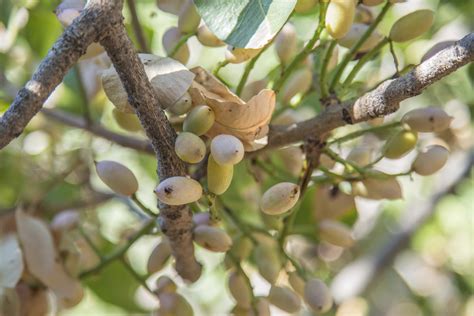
<point>246,120</point>
<point>42,259</point>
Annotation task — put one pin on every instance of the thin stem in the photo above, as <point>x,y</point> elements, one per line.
<point>361,132</point>
<point>394,56</point>
<point>136,276</point>
<point>347,164</point>
<point>301,272</point>
<point>120,251</point>
<point>363,60</point>
<point>306,50</point>
<point>90,242</point>
<point>145,209</point>
<point>180,43</point>
<point>83,93</point>
<point>220,65</point>
<point>248,69</point>
<point>354,49</point>
<point>324,69</point>
<point>137,29</point>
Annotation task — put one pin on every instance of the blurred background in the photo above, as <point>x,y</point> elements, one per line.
<point>51,166</point>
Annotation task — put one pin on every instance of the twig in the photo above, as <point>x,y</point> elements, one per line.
<point>362,132</point>
<point>306,50</point>
<point>394,56</point>
<point>145,209</point>
<point>180,43</point>
<point>141,145</point>
<point>248,69</point>
<point>120,251</point>
<point>137,29</point>
<point>368,56</point>
<point>383,100</point>
<point>354,49</point>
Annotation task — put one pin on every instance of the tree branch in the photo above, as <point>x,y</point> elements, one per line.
<point>381,101</point>
<point>176,221</point>
<point>94,22</point>
<point>359,275</point>
<point>122,140</point>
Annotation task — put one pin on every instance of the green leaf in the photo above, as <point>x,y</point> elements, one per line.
<point>42,30</point>
<point>114,284</point>
<point>245,23</point>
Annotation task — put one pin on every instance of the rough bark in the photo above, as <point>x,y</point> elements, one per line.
<point>94,22</point>
<point>175,221</point>
<point>383,100</point>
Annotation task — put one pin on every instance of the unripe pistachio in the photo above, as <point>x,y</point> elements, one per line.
<point>178,191</point>
<point>114,90</point>
<point>207,38</point>
<point>127,121</point>
<point>292,158</point>
<point>202,218</point>
<point>212,238</point>
<point>165,285</point>
<point>174,304</point>
<point>284,298</point>
<point>189,147</point>
<point>336,233</point>
<point>298,82</point>
<point>280,198</point>
<point>65,220</point>
<point>170,6</point>
<point>159,256</point>
<point>188,19</point>
<point>237,55</point>
<point>372,3</point>
<point>317,296</point>
<point>411,26</point>
<point>286,43</point>
<point>219,177</point>
<point>355,33</point>
<point>117,177</point>
<point>360,156</point>
<point>263,307</point>
<point>378,189</point>
<point>305,6</point>
<point>227,149</point>
<point>241,248</point>
<point>240,289</point>
<point>431,160</point>
<point>363,15</point>
<point>199,120</point>
<point>339,17</point>
<point>297,283</point>
<point>170,39</point>
<point>426,120</point>
<point>268,262</point>
<point>400,144</point>
<point>182,106</point>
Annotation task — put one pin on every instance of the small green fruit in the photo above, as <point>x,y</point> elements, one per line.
<point>268,262</point>
<point>188,19</point>
<point>219,177</point>
<point>400,144</point>
<point>170,39</point>
<point>339,17</point>
<point>189,147</point>
<point>199,120</point>
<point>280,198</point>
<point>318,296</point>
<point>336,233</point>
<point>240,290</point>
<point>427,120</point>
<point>212,238</point>
<point>286,43</point>
<point>431,160</point>
<point>178,191</point>
<point>159,256</point>
<point>207,38</point>
<point>411,26</point>
<point>284,298</point>
<point>227,149</point>
<point>129,122</point>
<point>117,177</point>
<point>182,106</point>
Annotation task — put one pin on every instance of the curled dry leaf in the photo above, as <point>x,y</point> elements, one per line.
<point>42,258</point>
<point>11,261</point>
<point>169,78</point>
<point>247,121</point>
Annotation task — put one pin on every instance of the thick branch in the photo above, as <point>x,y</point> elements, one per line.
<point>122,140</point>
<point>176,221</point>
<point>94,22</point>
<point>383,100</point>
